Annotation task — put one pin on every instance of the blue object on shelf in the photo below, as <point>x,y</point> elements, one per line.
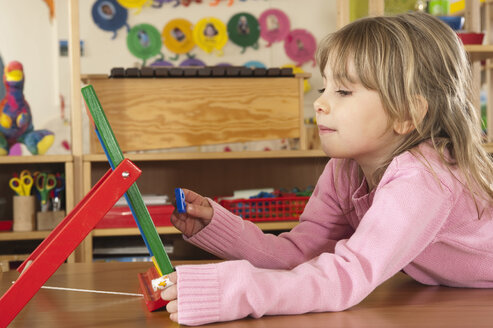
<point>181,206</point>
<point>455,22</point>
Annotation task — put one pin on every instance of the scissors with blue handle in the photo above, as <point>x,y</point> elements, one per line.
<point>60,186</point>
<point>44,184</point>
<point>22,185</point>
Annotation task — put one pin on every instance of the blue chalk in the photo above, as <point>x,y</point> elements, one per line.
<point>180,201</point>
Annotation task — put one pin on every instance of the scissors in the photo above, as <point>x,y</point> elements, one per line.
<point>60,186</point>
<point>22,185</point>
<point>44,183</point>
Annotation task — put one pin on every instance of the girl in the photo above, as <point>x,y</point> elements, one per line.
<point>408,187</point>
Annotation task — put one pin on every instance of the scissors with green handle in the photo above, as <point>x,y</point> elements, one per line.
<point>44,184</point>
<point>22,185</point>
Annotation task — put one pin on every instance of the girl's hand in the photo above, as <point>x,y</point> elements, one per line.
<point>199,214</point>
<point>170,294</point>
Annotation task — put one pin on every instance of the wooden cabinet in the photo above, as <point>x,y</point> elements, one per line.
<point>14,246</point>
<point>212,174</point>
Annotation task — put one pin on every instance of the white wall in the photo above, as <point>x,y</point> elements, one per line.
<point>27,35</point>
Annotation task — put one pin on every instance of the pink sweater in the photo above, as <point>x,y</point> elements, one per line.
<point>347,243</point>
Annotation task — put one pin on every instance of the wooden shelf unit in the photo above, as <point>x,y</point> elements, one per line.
<point>43,163</point>
<point>211,174</point>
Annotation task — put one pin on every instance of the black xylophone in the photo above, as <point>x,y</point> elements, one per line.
<point>202,71</point>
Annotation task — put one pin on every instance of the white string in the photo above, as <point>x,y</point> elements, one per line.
<point>90,291</point>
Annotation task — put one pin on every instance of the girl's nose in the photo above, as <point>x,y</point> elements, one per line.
<point>321,107</point>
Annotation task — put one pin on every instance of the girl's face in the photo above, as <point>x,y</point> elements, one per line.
<point>353,124</point>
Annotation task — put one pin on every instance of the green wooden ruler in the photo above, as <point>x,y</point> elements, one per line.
<point>133,195</point>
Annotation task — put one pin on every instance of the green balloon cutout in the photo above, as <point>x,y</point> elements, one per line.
<point>144,41</point>
<point>244,30</point>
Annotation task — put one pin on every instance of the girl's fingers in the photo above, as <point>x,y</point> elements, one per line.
<point>202,212</point>
<point>173,276</point>
<point>172,307</point>
<point>170,293</point>
<point>174,317</point>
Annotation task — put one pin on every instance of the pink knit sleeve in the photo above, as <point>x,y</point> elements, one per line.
<point>321,225</point>
<point>408,210</point>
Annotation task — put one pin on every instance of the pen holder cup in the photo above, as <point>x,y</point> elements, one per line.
<point>24,213</point>
<point>49,220</point>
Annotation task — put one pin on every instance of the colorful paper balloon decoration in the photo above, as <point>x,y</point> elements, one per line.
<point>244,31</point>
<point>144,41</point>
<point>178,36</point>
<point>274,26</point>
<point>161,63</point>
<point>192,62</point>
<point>159,3</point>
<point>300,46</point>
<point>135,4</point>
<point>109,16</point>
<point>296,69</point>
<point>254,64</point>
<point>214,3</point>
<point>210,34</point>
<point>187,3</point>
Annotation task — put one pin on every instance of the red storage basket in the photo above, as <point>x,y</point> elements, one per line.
<point>267,209</point>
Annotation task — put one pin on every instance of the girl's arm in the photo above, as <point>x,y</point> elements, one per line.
<point>406,215</point>
<point>322,224</point>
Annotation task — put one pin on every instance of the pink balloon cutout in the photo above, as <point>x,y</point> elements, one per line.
<point>274,25</point>
<point>300,46</point>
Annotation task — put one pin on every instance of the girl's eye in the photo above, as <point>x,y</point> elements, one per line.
<point>344,93</point>
<point>321,90</point>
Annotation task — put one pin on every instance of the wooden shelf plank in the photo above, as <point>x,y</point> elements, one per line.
<point>27,235</point>
<point>489,147</point>
<point>479,52</point>
<point>35,159</point>
<point>265,226</point>
<point>211,155</point>
<point>222,155</point>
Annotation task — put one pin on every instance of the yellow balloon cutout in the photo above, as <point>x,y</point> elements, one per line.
<point>296,69</point>
<point>209,34</point>
<point>135,4</point>
<point>178,36</point>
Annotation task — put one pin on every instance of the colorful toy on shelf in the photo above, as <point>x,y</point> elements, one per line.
<point>244,31</point>
<point>15,117</point>
<point>109,16</point>
<point>274,26</point>
<point>2,86</point>
<point>181,206</point>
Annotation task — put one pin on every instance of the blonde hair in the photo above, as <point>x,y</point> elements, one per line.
<point>406,58</point>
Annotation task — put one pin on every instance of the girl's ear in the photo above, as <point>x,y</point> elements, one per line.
<point>407,126</point>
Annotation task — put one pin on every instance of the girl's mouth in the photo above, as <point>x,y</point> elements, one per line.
<point>322,129</point>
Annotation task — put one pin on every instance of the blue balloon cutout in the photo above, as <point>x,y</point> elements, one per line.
<point>109,15</point>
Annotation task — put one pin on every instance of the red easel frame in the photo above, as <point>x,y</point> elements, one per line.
<point>63,240</point>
